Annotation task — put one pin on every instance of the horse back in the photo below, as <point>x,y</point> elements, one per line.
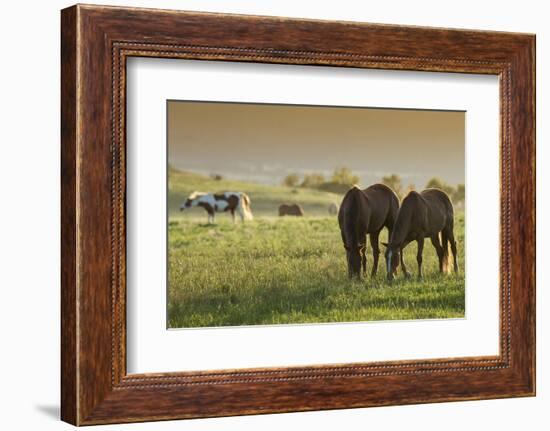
<point>384,205</point>
<point>440,208</point>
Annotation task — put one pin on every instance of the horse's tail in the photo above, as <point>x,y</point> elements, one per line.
<point>244,204</point>
<point>447,233</point>
<point>445,244</point>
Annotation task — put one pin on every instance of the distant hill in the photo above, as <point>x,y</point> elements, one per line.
<point>265,199</point>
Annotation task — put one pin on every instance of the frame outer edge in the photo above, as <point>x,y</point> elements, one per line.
<point>87,396</point>
<point>523,209</point>
<point>533,54</point>
<point>528,61</point>
<point>69,196</point>
<point>532,83</point>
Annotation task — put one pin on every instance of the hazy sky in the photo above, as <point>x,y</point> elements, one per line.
<point>264,143</point>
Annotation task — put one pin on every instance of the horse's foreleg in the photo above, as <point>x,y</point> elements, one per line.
<point>420,242</point>
<point>406,273</point>
<point>233,215</point>
<point>364,258</point>
<point>375,252</point>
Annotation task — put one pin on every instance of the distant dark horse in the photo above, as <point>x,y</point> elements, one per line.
<point>365,212</point>
<point>290,210</point>
<point>422,215</point>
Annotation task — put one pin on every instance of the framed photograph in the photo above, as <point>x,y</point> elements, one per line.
<point>264,215</point>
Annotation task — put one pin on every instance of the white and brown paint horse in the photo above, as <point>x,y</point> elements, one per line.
<point>220,202</point>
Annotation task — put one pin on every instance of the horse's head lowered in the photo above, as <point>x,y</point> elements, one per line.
<point>189,201</point>
<point>354,254</point>
<point>392,259</point>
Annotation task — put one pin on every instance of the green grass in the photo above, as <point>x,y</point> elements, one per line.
<point>288,270</point>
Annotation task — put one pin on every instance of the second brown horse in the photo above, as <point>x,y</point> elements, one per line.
<point>422,215</point>
<point>365,212</point>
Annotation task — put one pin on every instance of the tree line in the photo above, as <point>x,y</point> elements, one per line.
<point>343,178</point>
<point>339,182</point>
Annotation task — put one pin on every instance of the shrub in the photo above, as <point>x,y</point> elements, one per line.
<point>291,180</point>
<point>393,181</point>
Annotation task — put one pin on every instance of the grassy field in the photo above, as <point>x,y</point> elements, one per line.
<point>287,270</point>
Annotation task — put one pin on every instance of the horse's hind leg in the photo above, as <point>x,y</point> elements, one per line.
<point>420,242</point>
<point>364,258</point>
<point>240,211</point>
<point>439,250</point>
<point>375,252</point>
<point>451,236</point>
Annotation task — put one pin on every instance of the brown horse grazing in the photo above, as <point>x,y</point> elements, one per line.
<point>422,215</point>
<point>365,212</point>
<point>290,210</point>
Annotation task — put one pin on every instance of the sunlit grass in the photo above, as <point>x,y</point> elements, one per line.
<point>292,270</point>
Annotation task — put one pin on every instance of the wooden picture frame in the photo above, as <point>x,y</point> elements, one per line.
<point>95,43</point>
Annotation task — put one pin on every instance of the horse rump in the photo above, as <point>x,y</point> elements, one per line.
<point>244,207</point>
